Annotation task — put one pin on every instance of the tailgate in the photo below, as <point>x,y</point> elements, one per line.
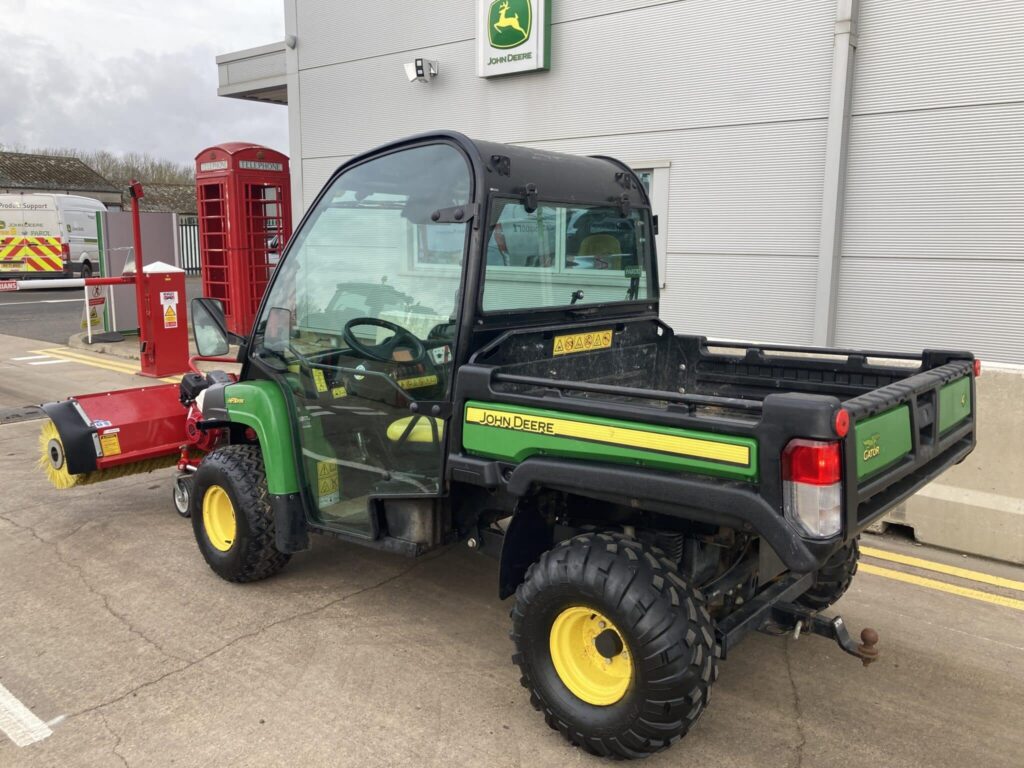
<point>904,435</point>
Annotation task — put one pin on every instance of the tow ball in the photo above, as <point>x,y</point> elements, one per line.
<point>802,620</point>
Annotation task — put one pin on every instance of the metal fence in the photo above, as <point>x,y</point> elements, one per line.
<point>188,244</point>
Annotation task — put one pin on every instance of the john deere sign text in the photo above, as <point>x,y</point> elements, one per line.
<point>512,36</point>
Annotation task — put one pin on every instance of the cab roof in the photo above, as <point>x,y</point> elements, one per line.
<point>508,169</point>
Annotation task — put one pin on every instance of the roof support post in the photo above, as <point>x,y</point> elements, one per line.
<point>836,145</point>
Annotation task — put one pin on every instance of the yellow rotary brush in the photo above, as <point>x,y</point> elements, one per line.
<point>53,462</point>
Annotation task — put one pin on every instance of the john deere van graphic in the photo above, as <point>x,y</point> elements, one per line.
<point>509,23</point>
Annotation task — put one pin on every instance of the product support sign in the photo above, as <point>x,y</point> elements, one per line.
<point>512,36</point>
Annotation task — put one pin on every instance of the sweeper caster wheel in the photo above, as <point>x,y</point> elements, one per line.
<point>183,495</point>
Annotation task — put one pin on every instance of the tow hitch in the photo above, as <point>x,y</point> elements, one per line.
<point>771,611</point>
<point>802,620</point>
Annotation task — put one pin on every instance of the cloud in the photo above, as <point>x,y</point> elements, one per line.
<point>160,98</point>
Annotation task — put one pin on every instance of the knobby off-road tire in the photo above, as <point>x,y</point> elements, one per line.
<point>665,632</point>
<point>834,578</point>
<point>235,474</point>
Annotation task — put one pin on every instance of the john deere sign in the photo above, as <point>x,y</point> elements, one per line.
<point>513,36</point>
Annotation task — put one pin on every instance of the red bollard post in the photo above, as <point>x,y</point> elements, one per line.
<point>146,354</point>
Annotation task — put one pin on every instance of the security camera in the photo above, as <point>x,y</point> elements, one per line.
<point>422,70</point>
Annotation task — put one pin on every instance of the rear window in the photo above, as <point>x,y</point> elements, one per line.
<point>562,254</point>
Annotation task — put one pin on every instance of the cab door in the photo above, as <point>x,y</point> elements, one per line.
<point>366,302</point>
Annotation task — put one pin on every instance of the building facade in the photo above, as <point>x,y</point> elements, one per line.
<point>826,171</point>
<point>836,172</point>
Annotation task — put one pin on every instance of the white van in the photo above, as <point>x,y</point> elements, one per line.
<point>48,235</point>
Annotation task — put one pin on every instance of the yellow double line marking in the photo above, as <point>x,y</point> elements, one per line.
<point>942,586</point>
<point>119,366</point>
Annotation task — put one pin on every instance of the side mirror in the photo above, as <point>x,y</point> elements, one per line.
<point>277,334</point>
<point>209,327</point>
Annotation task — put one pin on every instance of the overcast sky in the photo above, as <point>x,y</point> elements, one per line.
<point>132,75</point>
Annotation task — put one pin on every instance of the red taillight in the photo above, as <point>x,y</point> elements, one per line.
<point>813,462</point>
<point>977,368</point>
<point>842,422</point>
<point>65,252</point>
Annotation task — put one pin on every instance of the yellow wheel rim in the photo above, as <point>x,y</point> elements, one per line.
<point>577,634</point>
<point>219,518</point>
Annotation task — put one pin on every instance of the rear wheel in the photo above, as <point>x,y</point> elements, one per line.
<point>231,516</point>
<point>834,578</point>
<point>616,649</point>
<point>86,270</point>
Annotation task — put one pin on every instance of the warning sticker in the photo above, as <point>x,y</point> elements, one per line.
<point>327,484</point>
<point>319,380</point>
<point>169,302</point>
<point>339,392</point>
<point>582,342</point>
<point>110,444</point>
<point>91,318</point>
<point>417,381</point>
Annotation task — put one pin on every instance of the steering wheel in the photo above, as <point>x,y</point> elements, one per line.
<point>384,352</point>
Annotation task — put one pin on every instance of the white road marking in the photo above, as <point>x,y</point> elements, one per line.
<point>41,301</point>
<point>30,357</point>
<point>18,723</point>
<point>50,362</point>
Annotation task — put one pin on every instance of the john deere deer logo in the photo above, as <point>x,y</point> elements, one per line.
<point>509,30</point>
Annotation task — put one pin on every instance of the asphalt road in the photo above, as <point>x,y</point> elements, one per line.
<point>53,315</point>
<point>46,315</point>
<point>127,650</point>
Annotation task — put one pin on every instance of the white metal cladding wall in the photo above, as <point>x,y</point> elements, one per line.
<point>933,238</point>
<point>744,207</point>
<point>662,67</point>
<point>734,95</point>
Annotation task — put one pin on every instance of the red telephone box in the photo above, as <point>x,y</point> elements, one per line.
<point>243,195</point>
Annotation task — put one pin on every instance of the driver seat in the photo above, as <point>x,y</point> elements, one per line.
<point>416,429</point>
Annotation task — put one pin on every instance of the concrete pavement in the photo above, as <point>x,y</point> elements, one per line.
<point>114,628</point>
<point>115,632</point>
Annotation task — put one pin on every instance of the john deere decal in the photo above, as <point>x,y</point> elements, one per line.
<point>512,36</point>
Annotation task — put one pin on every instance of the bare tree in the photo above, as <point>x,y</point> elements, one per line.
<point>120,169</point>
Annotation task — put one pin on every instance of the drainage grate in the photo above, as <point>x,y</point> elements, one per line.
<point>21,413</point>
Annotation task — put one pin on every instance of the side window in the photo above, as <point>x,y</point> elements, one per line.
<point>655,177</point>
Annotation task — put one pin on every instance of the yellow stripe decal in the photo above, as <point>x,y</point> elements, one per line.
<point>632,438</point>
<point>949,570</point>
<point>942,586</point>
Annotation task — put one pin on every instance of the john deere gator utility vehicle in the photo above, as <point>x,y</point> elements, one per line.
<point>462,344</point>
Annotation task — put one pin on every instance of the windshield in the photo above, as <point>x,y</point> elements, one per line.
<point>565,254</point>
<point>370,251</point>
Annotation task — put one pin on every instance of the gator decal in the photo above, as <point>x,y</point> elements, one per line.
<point>882,440</point>
<point>954,403</point>
<point>515,433</point>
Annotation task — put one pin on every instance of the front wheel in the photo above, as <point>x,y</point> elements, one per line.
<point>231,516</point>
<point>616,649</point>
